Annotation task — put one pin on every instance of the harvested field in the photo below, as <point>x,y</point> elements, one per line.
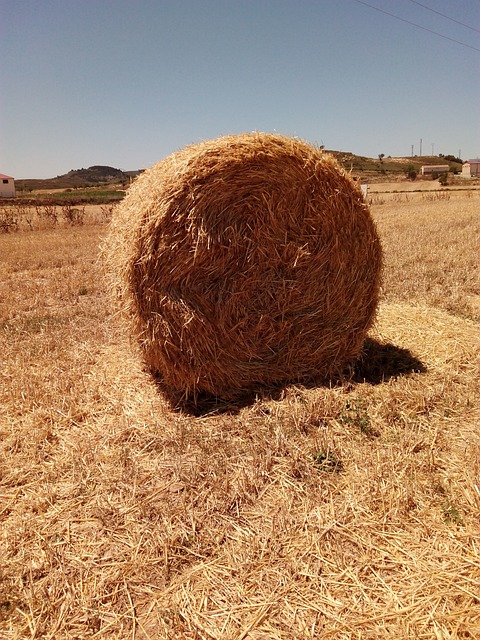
<point>419,186</point>
<point>317,512</point>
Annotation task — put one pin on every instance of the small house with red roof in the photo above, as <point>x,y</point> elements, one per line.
<point>7,186</point>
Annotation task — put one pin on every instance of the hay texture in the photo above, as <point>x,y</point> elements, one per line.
<point>246,261</point>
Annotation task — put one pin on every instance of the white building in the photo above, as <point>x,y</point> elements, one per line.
<point>471,168</point>
<point>7,186</point>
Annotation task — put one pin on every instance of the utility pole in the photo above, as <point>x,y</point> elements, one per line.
<point>420,146</point>
<point>412,150</point>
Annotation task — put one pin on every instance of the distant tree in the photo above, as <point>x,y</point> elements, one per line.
<point>410,172</point>
<point>451,158</point>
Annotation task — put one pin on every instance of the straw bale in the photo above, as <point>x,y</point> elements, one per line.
<point>243,262</point>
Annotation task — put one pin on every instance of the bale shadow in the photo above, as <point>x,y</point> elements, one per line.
<point>381,361</point>
<point>206,404</point>
<point>378,363</point>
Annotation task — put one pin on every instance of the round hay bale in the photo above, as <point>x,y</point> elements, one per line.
<point>246,261</point>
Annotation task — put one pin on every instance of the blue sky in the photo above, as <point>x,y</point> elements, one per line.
<point>124,83</point>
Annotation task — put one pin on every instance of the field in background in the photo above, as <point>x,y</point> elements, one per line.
<point>342,512</point>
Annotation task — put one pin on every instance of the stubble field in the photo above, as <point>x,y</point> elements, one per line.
<point>350,511</point>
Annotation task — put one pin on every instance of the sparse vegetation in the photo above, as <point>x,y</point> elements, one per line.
<point>107,212</point>
<point>443,179</point>
<point>47,213</point>
<point>410,172</point>
<point>74,216</point>
<point>355,413</point>
<point>326,460</point>
<point>435,196</point>
<point>8,220</point>
<point>17,216</point>
<point>451,158</point>
<point>344,511</point>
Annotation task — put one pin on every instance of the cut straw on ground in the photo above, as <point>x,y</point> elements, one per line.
<point>343,511</point>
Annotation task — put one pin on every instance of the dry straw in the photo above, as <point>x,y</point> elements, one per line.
<point>244,262</point>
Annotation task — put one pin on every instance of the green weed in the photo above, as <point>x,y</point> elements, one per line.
<point>355,414</point>
<point>327,461</point>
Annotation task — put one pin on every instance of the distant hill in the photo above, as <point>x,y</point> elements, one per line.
<point>95,176</point>
<point>368,169</point>
<point>386,168</point>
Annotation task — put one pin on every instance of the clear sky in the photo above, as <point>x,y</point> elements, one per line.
<point>126,82</point>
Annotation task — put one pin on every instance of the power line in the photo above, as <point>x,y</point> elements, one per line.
<point>417,25</point>
<point>444,16</point>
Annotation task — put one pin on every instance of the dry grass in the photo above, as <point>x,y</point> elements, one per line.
<point>344,512</point>
<point>437,261</point>
<point>19,216</point>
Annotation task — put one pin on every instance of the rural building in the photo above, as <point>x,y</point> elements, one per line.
<point>430,169</point>
<point>7,186</point>
<point>471,168</point>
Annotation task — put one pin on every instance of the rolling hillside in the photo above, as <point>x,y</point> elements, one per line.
<point>371,169</point>
<point>94,176</point>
